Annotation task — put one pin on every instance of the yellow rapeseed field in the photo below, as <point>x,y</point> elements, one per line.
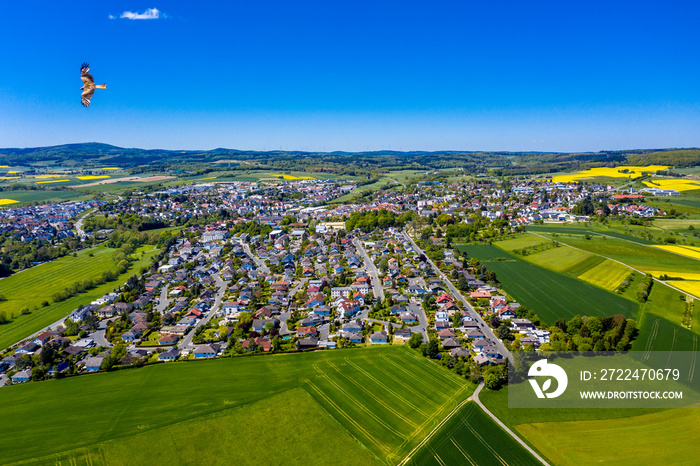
<point>292,178</point>
<point>92,177</point>
<point>41,177</point>
<point>692,287</point>
<point>9,177</point>
<point>673,183</point>
<point>688,251</point>
<point>110,168</point>
<point>632,172</point>
<point>7,201</point>
<point>51,181</point>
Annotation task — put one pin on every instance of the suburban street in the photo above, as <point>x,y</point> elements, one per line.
<point>377,289</point>
<point>186,342</point>
<point>484,326</point>
<point>422,327</point>
<point>258,262</point>
<point>99,336</point>
<point>163,301</point>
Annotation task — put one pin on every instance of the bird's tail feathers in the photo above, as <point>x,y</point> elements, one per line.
<point>101,86</point>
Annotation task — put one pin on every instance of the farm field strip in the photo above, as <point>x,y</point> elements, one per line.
<point>608,274</point>
<point>472,437</point>
<point>32,286</point>
<point>381,422</point>
<point>631,440</point>
<point>549,294</point>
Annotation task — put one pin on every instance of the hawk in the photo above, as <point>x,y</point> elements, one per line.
<point>89,85</point>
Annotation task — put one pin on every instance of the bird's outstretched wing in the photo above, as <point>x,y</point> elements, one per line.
<point>84,75</point>
<point>86,95</point>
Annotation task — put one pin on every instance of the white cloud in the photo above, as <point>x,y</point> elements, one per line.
<point>112,16</point>
<point>151,13</point>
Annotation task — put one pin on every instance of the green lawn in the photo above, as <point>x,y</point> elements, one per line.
<point>472,437</point>
<point>550,294</point>
<point>557,259</point>
<point>387,398</point>
<point>32,286</point>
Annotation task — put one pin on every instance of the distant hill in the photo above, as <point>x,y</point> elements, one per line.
<point>501,162</point>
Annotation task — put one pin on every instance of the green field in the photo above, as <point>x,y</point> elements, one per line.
<point>668,437</point>
<point>660,323</point>
<point>350,406</point>
<point>551,295</point>
<point>636,255</point>
<point>472,437</point>
<point>557,259</point>
<point>608,436</point>
<point>48,196</point>
<point>32,286</point>
<point>608,274</point>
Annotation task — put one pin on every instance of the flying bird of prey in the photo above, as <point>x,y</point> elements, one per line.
<point>89,85</point>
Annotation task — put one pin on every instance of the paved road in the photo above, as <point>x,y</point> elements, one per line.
<point>484,326</point>
<point>3,380</point>
<point>422,326</point>
<point>284,330</point>
<point>164,301</point>
<point>99,336</point>
<point>258,262</point>
<point>377,289</point>
<point>475,397</point>
<point>296,288</point>
<point>186,342</point>
<point>79,225</point>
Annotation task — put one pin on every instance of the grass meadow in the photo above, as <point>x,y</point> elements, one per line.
<point>32,286</point>
<point>341,406</point>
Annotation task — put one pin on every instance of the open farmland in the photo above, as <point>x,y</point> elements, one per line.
<point>619,172</point>
<point>551,295</point>
<point>669,437</point>
<point>472,437</point>
<point>639,256</point>
<point>660,321</point>
<point>387,398</point>
<point>32,286</point>
<point>608,274</point>
<point>595,436</point>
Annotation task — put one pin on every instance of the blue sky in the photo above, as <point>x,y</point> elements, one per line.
<point>401,75</point>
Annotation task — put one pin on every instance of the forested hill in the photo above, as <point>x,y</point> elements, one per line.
<point>501,162</point>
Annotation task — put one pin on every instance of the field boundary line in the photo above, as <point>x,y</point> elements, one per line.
<point>527,447</point>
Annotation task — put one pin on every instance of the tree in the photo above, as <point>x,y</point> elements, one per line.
<point>415,340</point>
<point>433,349</point>
<point>3,318</point>
<point>492,378</point>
